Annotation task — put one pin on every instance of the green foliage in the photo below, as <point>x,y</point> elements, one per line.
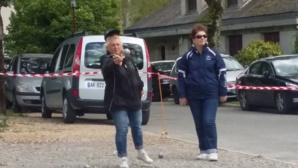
<point>296,44</point>
<point>41,25</point>
<point>258,49</point>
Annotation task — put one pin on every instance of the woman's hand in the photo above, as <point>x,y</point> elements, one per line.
<point>118,59</point>
<point>222,99</point>
<point>183,101</point>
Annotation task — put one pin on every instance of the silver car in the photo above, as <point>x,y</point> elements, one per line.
<point>24,92</point>
<point>234,68</point>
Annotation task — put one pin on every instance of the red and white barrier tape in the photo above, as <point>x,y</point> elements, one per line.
<point>239,87</point>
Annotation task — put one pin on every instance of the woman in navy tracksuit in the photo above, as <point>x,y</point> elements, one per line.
<point>202,83</point>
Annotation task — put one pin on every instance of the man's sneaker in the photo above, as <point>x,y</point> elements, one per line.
<point>142,155</point>
<point>213,157</point>
<point>123,162</point>
<point>202,156</point>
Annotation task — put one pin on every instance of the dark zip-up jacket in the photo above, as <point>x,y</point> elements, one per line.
<point>201,76</point>
<point>123,84</point>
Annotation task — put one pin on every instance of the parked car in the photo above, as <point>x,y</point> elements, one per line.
<point>163,67</point>
<point>75,96</point>
<point>7,62</point>
<point>23,92</point>
<point>272,71</point>
<point>234,68</point>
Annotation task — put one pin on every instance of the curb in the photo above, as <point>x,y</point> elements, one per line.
<point>230,150</point>
<point>227,104</point>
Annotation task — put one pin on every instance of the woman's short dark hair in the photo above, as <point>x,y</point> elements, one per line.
<point>198,27</point>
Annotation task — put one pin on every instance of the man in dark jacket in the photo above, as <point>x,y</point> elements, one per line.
<point>123,92</point>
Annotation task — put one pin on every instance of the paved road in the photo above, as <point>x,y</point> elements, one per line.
<point>263,133</point>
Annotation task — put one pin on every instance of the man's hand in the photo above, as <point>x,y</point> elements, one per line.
<point>222,99</point>
<point>183,101</point>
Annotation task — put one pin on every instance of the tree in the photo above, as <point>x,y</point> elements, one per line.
<point>3,3</point>
<point>41,25</point>
<point>215,12</point>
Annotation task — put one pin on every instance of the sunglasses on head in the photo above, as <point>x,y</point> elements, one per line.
<point>200,36</point>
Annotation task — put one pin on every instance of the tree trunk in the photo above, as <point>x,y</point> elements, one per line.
<point>126,5</point>
<point>215,12</point>
<point>2,89</point>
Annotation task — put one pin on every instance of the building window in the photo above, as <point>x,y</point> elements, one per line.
<point>271,37</point>
<point>232,3</point>
<point>235,44</point>
<point>191,5</point>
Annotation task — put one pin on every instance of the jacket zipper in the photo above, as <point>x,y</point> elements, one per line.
<point>113,90</point>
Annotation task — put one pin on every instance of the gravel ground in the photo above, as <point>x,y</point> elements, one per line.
<point>32,142</point>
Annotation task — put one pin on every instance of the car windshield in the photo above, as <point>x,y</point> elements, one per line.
<point>232,64</point>
<point>163,66</point>
<point>286,67</point>
<point>34,65</point>
<point>94,51</point>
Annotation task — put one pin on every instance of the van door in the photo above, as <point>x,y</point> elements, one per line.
<point>92,86</point>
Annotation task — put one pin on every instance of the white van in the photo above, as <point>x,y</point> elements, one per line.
<point>76,95</point>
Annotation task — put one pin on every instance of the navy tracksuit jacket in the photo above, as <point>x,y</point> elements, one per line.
<point>201,76</point>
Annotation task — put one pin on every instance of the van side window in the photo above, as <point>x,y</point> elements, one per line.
<point>136,52</point>
<point>52,66</point>
<point>70,56</point>
<point>63,56</point>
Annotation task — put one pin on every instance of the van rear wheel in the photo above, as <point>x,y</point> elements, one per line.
<point>145,117</point>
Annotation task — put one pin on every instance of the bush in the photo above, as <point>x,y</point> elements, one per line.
<point>258,49</point>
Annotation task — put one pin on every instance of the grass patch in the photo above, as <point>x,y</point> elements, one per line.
<point>3,123</point>
<point>4,118</point>
<point>234,102</point>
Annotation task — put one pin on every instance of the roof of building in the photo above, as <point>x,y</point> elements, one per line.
<point>171,14</point>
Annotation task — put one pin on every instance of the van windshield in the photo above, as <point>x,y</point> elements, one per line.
<point>94,51</point>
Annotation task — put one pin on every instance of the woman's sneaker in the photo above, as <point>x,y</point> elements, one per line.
<point>142,155</point>
<point>213,157</point>
<point>123,162</point>
<point>202,156</point>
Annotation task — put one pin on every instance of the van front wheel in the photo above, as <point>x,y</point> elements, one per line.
<point>69,114</point>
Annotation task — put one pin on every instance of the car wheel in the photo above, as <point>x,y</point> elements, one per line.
<point>145,117</point>
<point>282,103</point>
<point>109,116</point>
<point>8,103</point>
<point>244,104</point>
<point>69,114</point>
<point>175,95</point>
<point>15,105</point>
<point>155,96</point>
<point>45,111</point>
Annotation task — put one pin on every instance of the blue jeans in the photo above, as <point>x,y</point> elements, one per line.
<point>121,118</point>
<point>204,114</point>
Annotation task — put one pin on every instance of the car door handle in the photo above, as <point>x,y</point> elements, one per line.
<point>53,78</point>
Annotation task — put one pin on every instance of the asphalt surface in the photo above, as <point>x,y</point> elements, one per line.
<point>262,132</point>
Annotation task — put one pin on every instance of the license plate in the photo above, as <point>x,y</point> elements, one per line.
<point>95,85</point>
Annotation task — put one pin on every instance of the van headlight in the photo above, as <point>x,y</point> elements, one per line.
<point>24,88</point>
